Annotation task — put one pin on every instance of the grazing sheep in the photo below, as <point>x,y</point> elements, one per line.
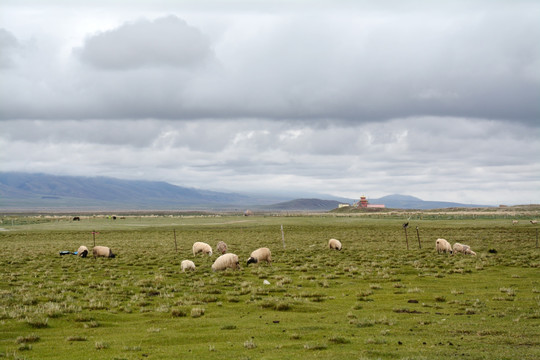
<point>334,244</point>
<point>226,261</point>
<point>83,251</point>
<point>460,248</point>
<point>76,218</point>
<point>202,247</point>
<point>514,222</point>
<point>187,265</point>
<point>102,251</point>
<point>260,255</point>
<point>221,247</point>
<point>534,222</point>
<point>443,246</point>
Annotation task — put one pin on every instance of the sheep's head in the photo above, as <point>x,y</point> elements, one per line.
<point>112,255</point>
<point>252,260</point>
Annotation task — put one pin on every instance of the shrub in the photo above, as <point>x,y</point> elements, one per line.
<point>32,338</point>
<point>197,312</point>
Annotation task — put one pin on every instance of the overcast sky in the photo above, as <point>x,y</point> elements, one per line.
<point>438,99</point>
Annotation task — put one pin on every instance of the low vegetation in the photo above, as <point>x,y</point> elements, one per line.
<point>373,300</point>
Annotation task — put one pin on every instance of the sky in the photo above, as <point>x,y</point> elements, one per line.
<point>434,99</point>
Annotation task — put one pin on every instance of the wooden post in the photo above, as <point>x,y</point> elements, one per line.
<point>418,235</point>
<point>282,236</point>
<point>536,238</point>
<point>94,236</point>
<point>175,246</point>
<point>406,239</point>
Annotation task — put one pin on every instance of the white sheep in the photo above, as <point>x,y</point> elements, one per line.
<point>82,251</point>
<point>534,222</point>
<point>187,265</point>
<point>443,246</point>
<point>226,261</point>
<point>221,247</point>
<point>514,222</point>
<point>262,254</point>
<point>202,247</point>
<point>334,244</point>
<point>102,251</point>
<point>464,249</point>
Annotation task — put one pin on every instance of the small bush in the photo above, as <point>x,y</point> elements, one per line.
<point>250,344</point>
<point>32,338</point>
<point>228,327</point>
<point>38,322</point>
<point>76,338</point>
<point>178,312</point>
<point>339,340</point>
<point>197,312</point>
<point>100,345</point>
<point>91,324</point>
<point>25,347</point>
<point>315,346</point>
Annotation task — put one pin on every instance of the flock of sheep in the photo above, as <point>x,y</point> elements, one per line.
<point>443,245</point>
<point>230,260</point>
<point>225,260</point>
<point>97,251</point>
<point>534,222</point>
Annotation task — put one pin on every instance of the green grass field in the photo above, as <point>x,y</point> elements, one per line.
<point>373,300</point>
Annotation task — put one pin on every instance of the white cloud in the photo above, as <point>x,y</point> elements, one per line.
<point>166,41</point>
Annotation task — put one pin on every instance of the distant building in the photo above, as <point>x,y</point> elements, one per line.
<point>364,203</point>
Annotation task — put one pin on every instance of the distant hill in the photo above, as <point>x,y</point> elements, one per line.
<point>24,191</point>
<point>21,190</point>
<point>397,201</point>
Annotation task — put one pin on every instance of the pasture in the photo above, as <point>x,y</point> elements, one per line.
<point>373,300</point>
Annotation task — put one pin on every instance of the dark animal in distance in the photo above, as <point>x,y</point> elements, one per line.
<point>76,218</point>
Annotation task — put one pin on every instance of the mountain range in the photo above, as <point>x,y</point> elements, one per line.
<point>25,191</point>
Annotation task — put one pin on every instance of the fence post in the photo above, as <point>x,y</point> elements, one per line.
<point>175,246</point>
<point>282,236</point>
<point>406,239</point>
<point>418,235</point>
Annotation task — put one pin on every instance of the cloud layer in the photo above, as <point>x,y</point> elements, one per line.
<point>438,101</point>
<point>354,66</point>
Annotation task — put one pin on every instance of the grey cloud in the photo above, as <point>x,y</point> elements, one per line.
<point>8,46</point>
<point>167,41</point>
<point>419,156</point>
<point>347,68</point>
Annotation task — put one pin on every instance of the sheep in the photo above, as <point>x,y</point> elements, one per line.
<point>82,251</point>
<point>260,255</point>
<point>534,222</point>
<point>187,265</point>
<point>334,244</point>
<point>202,247</point>
<point>464,249</point>
<point>443,246</point>
<point>514,222</point>
<point>460,248</point>
<point>221,247</point>
<point>226,261</point>
<point>102,251</point>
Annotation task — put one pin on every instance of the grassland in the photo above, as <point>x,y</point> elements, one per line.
<point>373,300</point>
